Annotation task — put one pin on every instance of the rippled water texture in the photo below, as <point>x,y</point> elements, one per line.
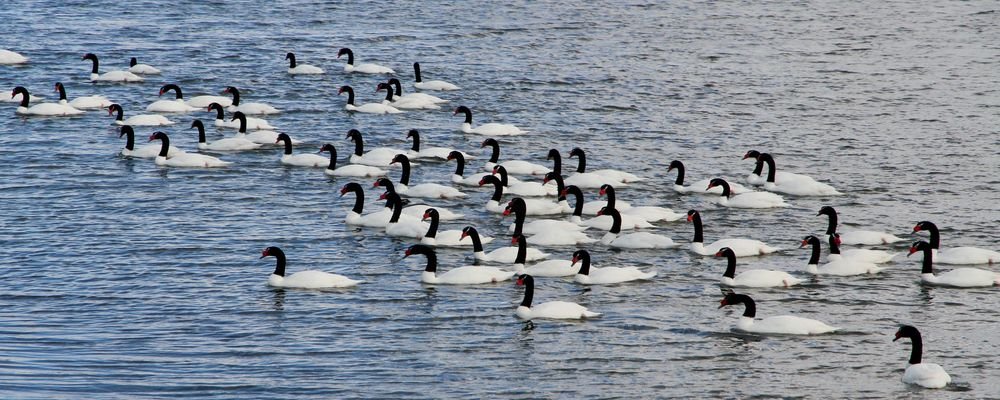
<point>123,279</point>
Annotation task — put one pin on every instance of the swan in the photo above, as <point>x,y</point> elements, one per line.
<point>782,324</point>
<point>583,180</point>
<point>523,188</point>
<point>549,309</point>
<point>369,108</point>
<point>842,267</point>
<point>177,105</point>
<point>746,200</point>
<point>406,227</point>
<point>299,160</point>
<point>758,278</point>
<point>223,101</point>
<point>248,108</point>
<point>429,190</point>
<point>547,232</point>
<point>83,102</point>
<point>407,103</point>
<point>398,94</point>
<point>802,187</point>
<point>637,240</point>
<point>956,255</point>
<point>259,136</point>
<point>44,109</point>
<point>311,279</point>
<point>780,178</point>
<point>147,151</point>
<point>137,120</point>
<point>739,247</point>
<point>458,177</point>
<point>453,237</point>
<point>415,210</point>
<point>8,57</point>
<point>616,176</point>
<point>506,255</point>
<point>647,213</point>
<point>366,68</point>
<point>378,219</point>
<point>430,85</point>
<point>866,255</point>
<point>959,277</point>
<point>301,69</point>
<point>377,157</point>
<point>592,207</point>
<point>252,123</point>
<point>112,76</point>
<point>439,153</point>
<point>143,69</point>
<point>547,268</point>
<point>534,206</point>
<point>467,275</point>
<point>224,144</point>
<point>928,375</point>
<point>183,159</point>
<point>679,187</point>
<point>539,225</point>
<point>490,129</point>
<point>855,237</point>
<point>603,222</point>
<point>355,170</point>
<point>515,167</point>
<point>605,276</point>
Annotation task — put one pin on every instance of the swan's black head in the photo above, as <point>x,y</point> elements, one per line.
<point>418,249</point>
<point>400,158</point>
<point>809,241</point>
<point>111,109</point>
<point>58,86</point>
<point>157,136</point>
<point>239,115</point>
<point>414,133</point>
<point>289,55</point>
<point>214,106</point>
<point>605,188</point>
<point>18,89</point>
<point>231,89</point>
<point>499,169</point>
<point>343,51</point>
<point>549,176</point>
<point>454,155</point>
<point>691,215</point>
<point>328,147</point>
<point>489,179</point>
<point>827,210</point>
<point>524,280</point>
<point>906,331</point>
<point>919,246</point>
<point>350,187</point>
<point>271,251</point>
<point>382,182</point>
<point>468,231</point>
<point>383,86</point>
<point>352,134</point>
<point>751,154</point>
<point>126,130</point>
<point>464,110</point>
<point>197,124</point>
<point>579,255</point>
<point>924,226</point>
<point>717,182</point>
<point>724,252</point>
<point>675,164</point>
<point>282,137</point>
<point>89,56</point>
<point>733,299</point>
<point>429,213</point>
<point>133,61</point>
<point>394,81</point>
<point>517,238</point>
<point>553,153</point>
<point>576,152</point>
<point>606,211</point>
<point>345,88</point>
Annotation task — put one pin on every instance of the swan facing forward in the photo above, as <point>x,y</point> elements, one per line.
<point>782,324</point>
<point>550,309</point>
<point>928,375</point>
<point>311,279</point>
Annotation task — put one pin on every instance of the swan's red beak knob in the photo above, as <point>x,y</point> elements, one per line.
<point>264,253</point>
<point>575,260</point>
<point>916,228</point>
<point>602,192</point>
<point>482,182</point>
<point>912,250</point>
<point>506,211</point>
<point>898,336</point>
<point>690,218</point>
<point>406,253</point>
<point>723,303</point>
<point>513,240</point>
<point>426,216</point>
<point>520,281</point>
<point>719,253</point>
<point>804,244</point>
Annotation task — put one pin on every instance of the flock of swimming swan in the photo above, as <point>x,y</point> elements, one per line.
<point>548,197</point>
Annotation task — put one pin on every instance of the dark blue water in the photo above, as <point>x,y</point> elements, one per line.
<point>124,279</point>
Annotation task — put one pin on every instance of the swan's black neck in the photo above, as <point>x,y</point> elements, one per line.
<point>814,258</point>
<point>610,192</point>
<point>494,146</point>
<point>935,239</point>
<point>616,217</point>
<point>416,140</point>
<point>519,209</point>
<point>560,185</point>
<point>61,90</point>
<point>359,198</point>
<point>288,145</point>
<point>243,121</point>
<point>751,306</point>
<point>397,207</point>
<point>529,290</point>
<point>503,174</point>
<point>725,188</point>
<point>927,266</point>
<point>578,195</point>
<point>117,109</point>
<point>459,164</point>
<point>218,110</point>
<point>291,60</point>
<point>556,161</point>
<point>918,348</point>
<point>175,88</point>
<point>834,247</point>
<point>477,243</point>
<point>359,143</point>
<point>129,137</point>
<point>333,158</point>
<point>758,167</point>
<point>133,62</point>
<point>279,268</point>
<point>679,166</point>
<point>468,119</point>
<point>201,130</point>
<point>730,265</point>
<point>433,227</point>
<point>164,146</point>
<point>404,163</point>
<point>388,93</point>
<point>584,260</point>
<point>581,166</point>
<point>698,231</point>
<point>24,96</point>
<point>522,249</point>
<point>497,187</point>
<point>770,166</point>
<point>350,55</point>
<point>95,63</point>
<point>416,72</point>
<point>397,86</point>
<point>350,94</point>
<point>831,226</point>
<point>236,95</point>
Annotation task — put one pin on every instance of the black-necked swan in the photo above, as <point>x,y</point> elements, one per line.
<point>592,207</point>
<point>376,219</point>
<point>523,188</point>
<point>582,180</point>
<point>740,247</point>
<point>451,237</point>
<point>224,144</point>
<point>177,105</point>
<point>44,109</point>
<point>8,57</point>
<point>112,76</point>
<point>855,237</point>
<point>402,227</point>
<point>414,207</point>
<point>143,69</point>
<point>427,190</point>
<point>538,225</point>
<point>696,187</point>
<point>958,277</point>
<point>248,108</point>
<point>299,160</point>
<point>147,151</point>
<point>251,122</point>
<point>782,177</point>
<point>366,68</point>
<point>82,102</point>
<point>137,120</point>
<point>506,255</point>
<point>404,103</point>
<point>603,222</point>
<point>872,256</point>
<point>781,324</point>
<point>377,157</point>
<point>458,177</point>
<point>535,206</point>
<point>636,240</point>
<point>467,275</point>
<point>490,129</point>
<point>755,277</point>
<point>842,267</point>
<point>611,174</point>
<point>355,170</point>
<point>398,95</point>
<point>547,268</point>
<point>206,100</point>
<point>311,279</point>
<point>259,136</point>
<point>190,160</point>
<point>956,255</point>
<point>800,187</point>
<point>648,213</point>
<point>416,152</point>
<point>589,275</point>
<point>546,232</point>
<point>301,69</point>
<point>515,167</point>
<point>369,108</point>
<point>928,375</point>
<point>549,309</point>
<point>429,85</point>
<point>746,200</point>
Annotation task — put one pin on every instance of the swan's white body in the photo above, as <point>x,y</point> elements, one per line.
<point>430,190</point>
<point>88,102</point>
<point>471,180</point>
<point>783,324</point>
<point>651,213</point>
<point>844,267</point>
<point>549,268</point>
<point>144,69</point>
<point>740,247</point>
<point>264,137</point>
<point>619,176</point>
<point>494,129</point>
<point>590,180</point>
<point>412,103</point>
<point>406,227</point>
<point>191,160</point>
<point>8,57</point>
<point>559,238</point>
<point>311,280</point>
<point>145,120</point>
<point>638,240</point>
<point>356,170</point>
<point>379,219</point>
<point>963,277</point>
<point>780,178</point>
<point>541,207</point>
<point>592,207</point>
<point>368,68</point>
<point>753,200</point>
<point>229,144</point>
<point>507,255</point>
<point>116,76</point>
<point>928,375</point>
<point>519,167</point>
<point>435,85</point>
<point>865,255</point>
<point>803,188</point>
<point>305,160</point>
<point>440,153</point>
<point>604,222</point>
<point>253,109</point>
<point>252,124</point>
<point>377,157</point>
<point>611,275</point>
<point>467,275</point>
<point>760,278</point>
<point>452,238</point>
<point>372,108</point>
<point>555,310</point>
<point>150,151</point>
<point>49,109</point>
<point>534,189</point>
<point>204,101</point>
<point>867,238</point>
<point>417,211</point>
<point>306,69</point>
<point>170,106</point>
<point>966,255</point>
<point>548,225</point>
